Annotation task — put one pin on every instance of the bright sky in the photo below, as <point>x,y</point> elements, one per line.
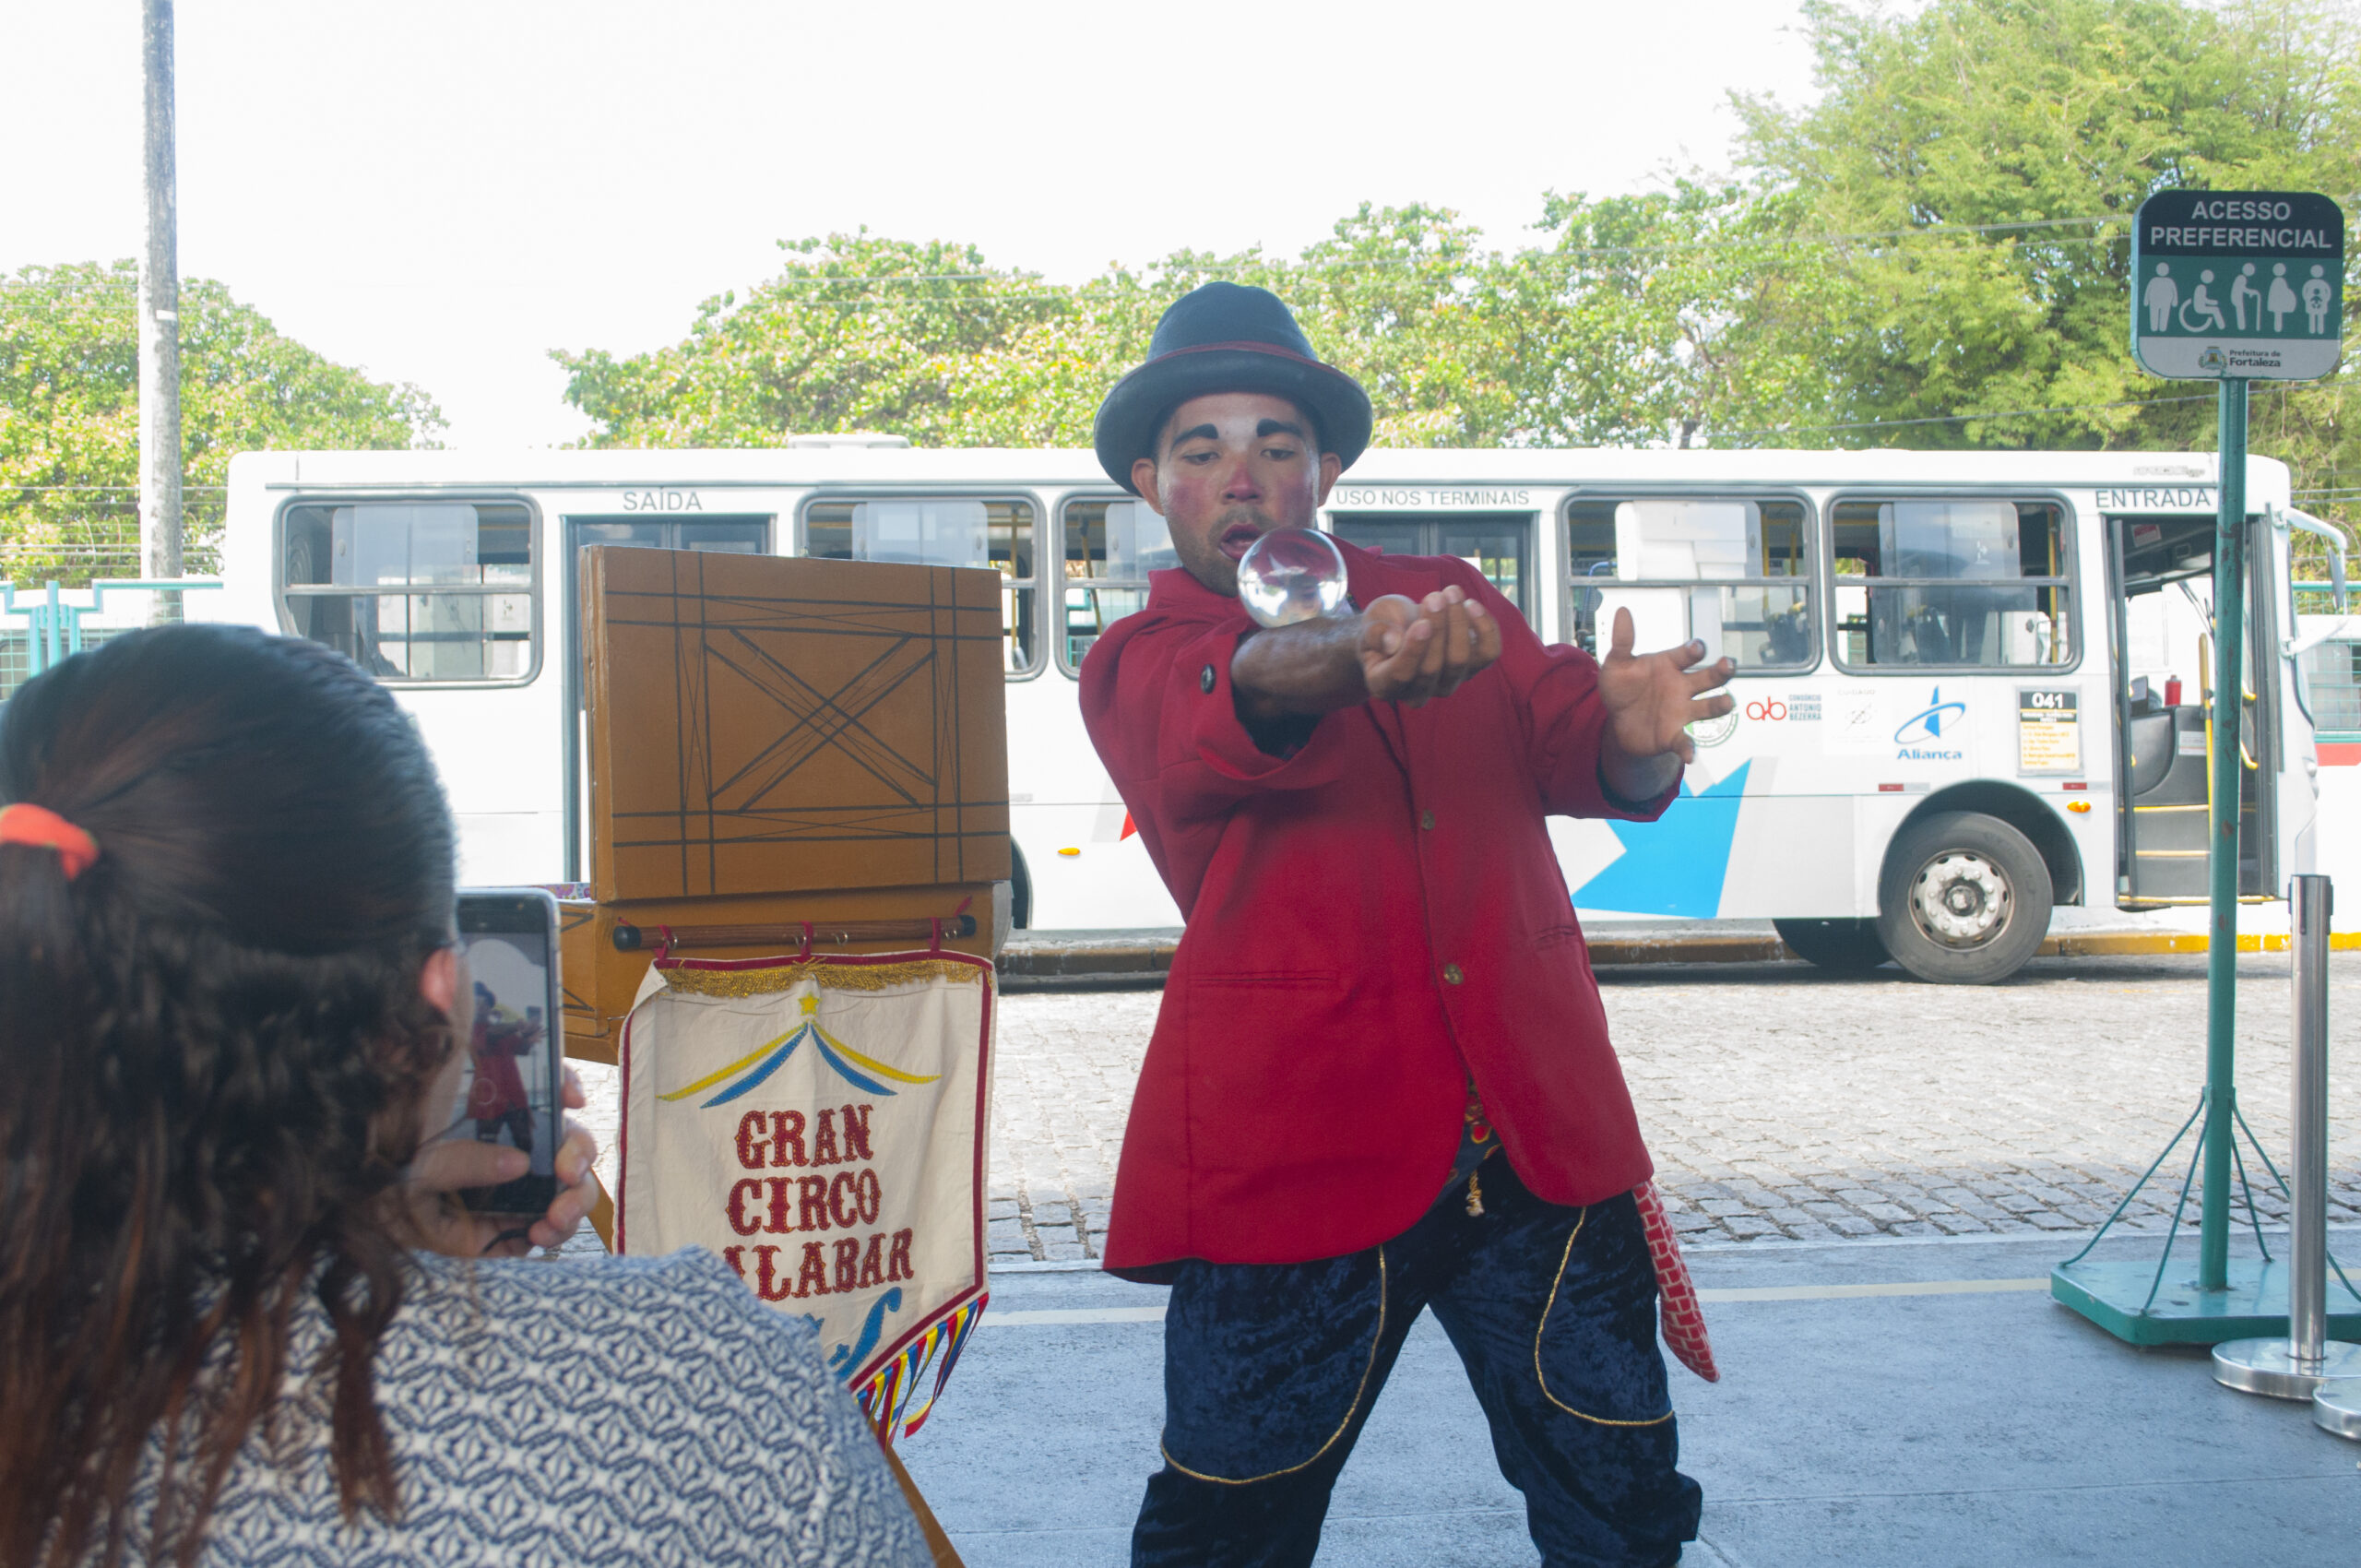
<point>440,190</point>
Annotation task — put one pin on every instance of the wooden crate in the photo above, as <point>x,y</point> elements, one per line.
<point>763,726</point>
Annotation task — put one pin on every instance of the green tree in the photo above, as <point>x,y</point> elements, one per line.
<point>1936,244</point>
<point>1410,301</point>
<point>855,333</point>
<point>929,340</point>
<point>1672,318</point>
<point>69,414</point>
<point>2002,126</point>
<point>1040,384</point>
<point>1404,298</point>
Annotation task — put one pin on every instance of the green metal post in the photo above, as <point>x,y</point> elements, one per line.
<point>2222,944</point>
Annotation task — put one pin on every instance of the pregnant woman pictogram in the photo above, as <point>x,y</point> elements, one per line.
<point>2283,298</point>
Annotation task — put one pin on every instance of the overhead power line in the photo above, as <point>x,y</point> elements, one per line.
<point>1997,414</point>
<point>1034,284</point>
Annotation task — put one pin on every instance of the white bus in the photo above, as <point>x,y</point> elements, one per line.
<point>1970,689</point>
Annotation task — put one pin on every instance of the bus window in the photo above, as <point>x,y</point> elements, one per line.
<point>1590,557</point>
<point>1110,547</point>
<point>1952,584</point>
<point>2329,679</point>
<point>1495,551</point>
<point>1735,573</point>
<point>942,531</point>
<point>432,591</point>
<point>1495,543</point>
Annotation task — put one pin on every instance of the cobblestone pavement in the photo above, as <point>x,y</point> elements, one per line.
<point>1783,1103</point>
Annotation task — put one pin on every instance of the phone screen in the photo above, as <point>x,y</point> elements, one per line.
<point>510,1093</point>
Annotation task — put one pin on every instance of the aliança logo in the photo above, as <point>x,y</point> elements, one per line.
<point>1926,725</point>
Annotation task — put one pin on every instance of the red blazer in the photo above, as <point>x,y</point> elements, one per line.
<point>1370,920</point>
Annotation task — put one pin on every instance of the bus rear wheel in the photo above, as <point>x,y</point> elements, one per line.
<point>1843,947</point>
<point>1965,899</point>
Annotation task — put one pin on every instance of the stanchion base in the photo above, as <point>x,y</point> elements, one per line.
<point>2337,1408</point>
<point>2115,1295</point>
<point>2269,1367</point>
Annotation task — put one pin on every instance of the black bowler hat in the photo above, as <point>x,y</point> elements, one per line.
<point>1226,337</point>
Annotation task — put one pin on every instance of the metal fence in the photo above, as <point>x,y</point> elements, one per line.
<point>18,655</point>
<point>45,624</point>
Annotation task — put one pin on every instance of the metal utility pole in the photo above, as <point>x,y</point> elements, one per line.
<point>160,322</point>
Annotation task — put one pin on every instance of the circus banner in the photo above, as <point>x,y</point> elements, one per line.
<point>819,1123</point>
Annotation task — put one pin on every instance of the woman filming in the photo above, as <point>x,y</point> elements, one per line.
<point>241,1319</point>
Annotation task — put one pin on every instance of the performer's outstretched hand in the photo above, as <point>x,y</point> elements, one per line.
<point>1413,652</point>
<point>1652,699</point>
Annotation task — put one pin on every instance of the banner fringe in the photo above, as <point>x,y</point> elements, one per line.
<point>888,1397</point>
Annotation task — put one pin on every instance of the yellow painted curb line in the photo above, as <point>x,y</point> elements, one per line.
<point>1705,948</point>
<point>2119,944</point>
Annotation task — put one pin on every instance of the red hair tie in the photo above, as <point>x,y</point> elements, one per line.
<point>40,827</point>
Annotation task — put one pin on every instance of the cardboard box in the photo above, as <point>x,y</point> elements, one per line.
<point>762,725</point>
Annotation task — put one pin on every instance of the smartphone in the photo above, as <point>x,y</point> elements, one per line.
<point>516,1040</point>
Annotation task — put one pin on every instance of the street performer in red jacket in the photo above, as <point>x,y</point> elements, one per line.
<point>1381,1079</point>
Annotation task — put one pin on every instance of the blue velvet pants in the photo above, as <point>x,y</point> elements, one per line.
<point>1269,1371</point>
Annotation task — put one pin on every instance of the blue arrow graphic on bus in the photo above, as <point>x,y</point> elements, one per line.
<point>1674,865</point>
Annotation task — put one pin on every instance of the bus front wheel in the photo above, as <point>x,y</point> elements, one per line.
<point>1843,947</point>
<point>1965,899</point>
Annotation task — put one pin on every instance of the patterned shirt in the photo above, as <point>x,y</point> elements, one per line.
<point>625,1410</point>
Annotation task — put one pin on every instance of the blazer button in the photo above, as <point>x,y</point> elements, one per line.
<point>1205,681</point>
<point>1451,975</point>
<point>1427,821</point>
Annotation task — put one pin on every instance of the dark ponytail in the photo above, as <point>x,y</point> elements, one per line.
<point>211,1050</point>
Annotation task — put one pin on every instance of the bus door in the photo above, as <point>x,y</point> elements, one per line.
<point>2161,628</point>
<point>734,536</point>
<point>1498,544</point>
<point>2330,692</point>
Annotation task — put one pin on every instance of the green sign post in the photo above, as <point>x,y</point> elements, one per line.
<point>2230,287</point>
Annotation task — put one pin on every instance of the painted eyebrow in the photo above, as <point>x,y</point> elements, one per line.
<point>1278,427</point>
<point>1203,431</point>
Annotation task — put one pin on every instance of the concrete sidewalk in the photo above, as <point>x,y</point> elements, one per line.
<point>1881,1403</point>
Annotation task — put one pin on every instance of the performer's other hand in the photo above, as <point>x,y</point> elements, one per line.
<point>1413,652</point>
<point>1652,699</point>
<point>450,1165</point>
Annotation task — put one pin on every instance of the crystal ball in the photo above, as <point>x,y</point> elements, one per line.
<point>1289,576</point>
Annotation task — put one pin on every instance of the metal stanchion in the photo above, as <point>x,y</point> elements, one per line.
<point>2296,1367</point>
<point>2337,1406</point>
<point>2337,1403</point>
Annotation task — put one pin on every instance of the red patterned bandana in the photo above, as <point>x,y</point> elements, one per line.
<point>1678,1313</point>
